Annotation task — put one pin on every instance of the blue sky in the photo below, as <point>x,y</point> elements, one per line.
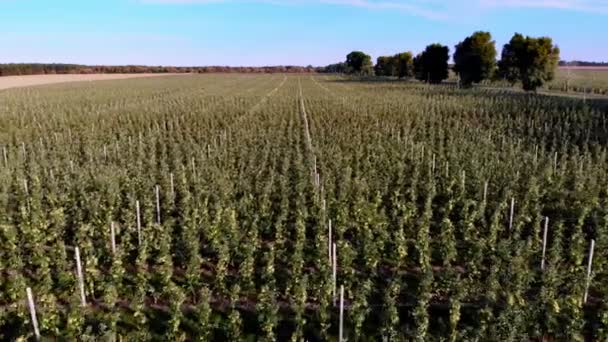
<point>275,32</point>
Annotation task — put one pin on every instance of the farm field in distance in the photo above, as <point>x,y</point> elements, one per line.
<point>229,207</point>
<point>7,82</point>
<point>591,80</point>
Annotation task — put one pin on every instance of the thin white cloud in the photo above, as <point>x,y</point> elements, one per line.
<point>431,9</point>
<point>415,7</point>
<point>598,6</point>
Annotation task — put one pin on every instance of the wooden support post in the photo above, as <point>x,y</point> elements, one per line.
<point>30,302</point>
<point>542,262</point>
<point>83,299</point>
<point>591,248</point>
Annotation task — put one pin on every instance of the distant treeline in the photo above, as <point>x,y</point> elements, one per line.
<point>583,63</point>
<point>527,60</point>
<point>49,69</point>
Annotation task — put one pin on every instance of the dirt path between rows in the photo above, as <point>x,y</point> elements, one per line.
<point>7,82</point>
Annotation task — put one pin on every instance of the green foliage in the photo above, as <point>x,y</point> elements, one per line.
<point>432,65</point>
<point>241,252</point>
<point>359,63</point>
<point>385,66</point>
<point>475,58</point>
<point>405,64</point>
<point>400,65</point>
<point>532,61</point>
<point>337,68</point>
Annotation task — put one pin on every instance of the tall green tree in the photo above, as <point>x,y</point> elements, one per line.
<point>432,64</point>
<point>475,58</point>
<point>532,61</point>
<point>385,66</point>
<point>404,64</point>
<point>338,68</point>
<point>359,63</point>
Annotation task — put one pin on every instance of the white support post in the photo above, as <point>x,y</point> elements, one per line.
<point>511,214</point>
<point>193,167</point>
<point>113,237</point>
<point>542,262</point>
<point>341,329</point>
<point>157,191</point>
<point>5,155</point>
<point>334,272</point>
<point>591,248</point>
<point>329,244</point>
<point>485,192</point>
<point>555,163</point>
<point>83,299</point>
<point>30,302</point>
<point>25,187</point>
<point>138,222</point>
<point>464,178</point>
<point>433,164</point>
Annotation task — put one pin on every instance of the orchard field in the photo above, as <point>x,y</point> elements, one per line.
<point>590,80</point>
<point>207,207</point>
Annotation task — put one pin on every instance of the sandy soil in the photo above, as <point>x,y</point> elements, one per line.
<point>33,80</point>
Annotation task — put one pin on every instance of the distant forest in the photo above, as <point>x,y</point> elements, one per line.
<point>44,69</point>
<point>583,63</point>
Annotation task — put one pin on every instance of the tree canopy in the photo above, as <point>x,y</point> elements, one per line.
<point>532,61</point>
<point>432,64</point>
<point>358,62</point>
<point>338,68</point>
<point>385,66</point>
<point>475,58</point>
<point>404,64</point>
<point>400,65</point>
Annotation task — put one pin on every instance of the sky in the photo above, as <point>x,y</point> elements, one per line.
<point>281,32</point>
